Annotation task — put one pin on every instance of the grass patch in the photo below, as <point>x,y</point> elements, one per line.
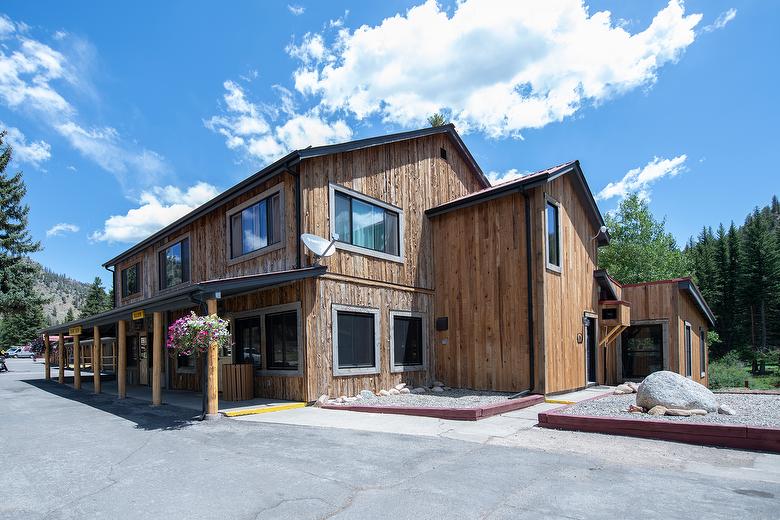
<point>731,372</point>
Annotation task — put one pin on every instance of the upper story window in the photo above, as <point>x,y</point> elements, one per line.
<point>174,264</point>
<point>366,225</point>
<point>256,224</point>
<point>553,234</point>
<point>131,282</point>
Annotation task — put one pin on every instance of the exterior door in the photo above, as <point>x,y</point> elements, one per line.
<point>590,349</point>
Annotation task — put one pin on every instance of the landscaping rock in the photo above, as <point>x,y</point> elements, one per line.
<point>350,399</point>
<point>632,385</point>
<point>623,389</point>
<point>674,391</point>
<point>405,391</point>
<point>698,412</point>
<point>419,390</point>
<point>437,389</point>
<point>657,410</point>
<point>678,412</point>
<point>367,394</point>
<point>400,386</point>
<point>384,392</point>
<point>394,391</point>
<point>437,383</point>
<point>632,408</point>
<point>726,410</point>
<point>321,400</point>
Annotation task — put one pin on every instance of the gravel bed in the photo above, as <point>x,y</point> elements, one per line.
<point>455,398</point>
<point>752,409</point>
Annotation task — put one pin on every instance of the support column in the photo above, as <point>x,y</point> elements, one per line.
<point>46,356</point>
<point>212,364</point>
<point>97,358</point>
<point>76,362</point>
<point>61,354</point>
<point>121,373</point>
<point>157,339</point>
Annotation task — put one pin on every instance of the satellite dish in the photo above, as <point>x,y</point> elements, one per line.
<point>318,245</point>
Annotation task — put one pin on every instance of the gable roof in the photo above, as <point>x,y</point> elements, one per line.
<point>684,284</point>
<point>293,158</point>
<point>524,183</point>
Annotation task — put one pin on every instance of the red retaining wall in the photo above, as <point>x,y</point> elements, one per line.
<point>457,414</point>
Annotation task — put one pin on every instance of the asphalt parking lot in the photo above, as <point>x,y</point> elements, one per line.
<point>70,454</point>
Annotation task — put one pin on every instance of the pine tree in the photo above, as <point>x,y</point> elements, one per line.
<point>96,300</point>
<point>69,315</point>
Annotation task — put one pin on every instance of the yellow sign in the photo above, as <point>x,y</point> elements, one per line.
<point>75,331</point>
<point>138,315</point>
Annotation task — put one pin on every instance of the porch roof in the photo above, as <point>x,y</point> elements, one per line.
<point>193,295</point>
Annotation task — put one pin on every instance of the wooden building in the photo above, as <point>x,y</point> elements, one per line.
<point>436,275</point>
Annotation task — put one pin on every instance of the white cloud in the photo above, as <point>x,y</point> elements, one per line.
<point>508,175</point>
<point>62,228</point>
<point>34,152</point>
<point>639,179</point>
<point>71,168</point>
<point>721,21</point>
<point>30,76</point>
<point>548,59</point>
<point>296,10</point>
<point>254,130</point>
<point>157,208</point>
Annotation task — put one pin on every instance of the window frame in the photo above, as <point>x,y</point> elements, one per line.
<point>425,343</point>
<point>332,190</point>
<point>549,265</point>
<point>376,369</point>
<point>688,349</point>
<point>267,194</point>
<point>122,279</point>
<point>702,352</point>
<point>169,244</point>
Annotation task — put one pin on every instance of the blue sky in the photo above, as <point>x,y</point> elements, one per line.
<point>125,115</point>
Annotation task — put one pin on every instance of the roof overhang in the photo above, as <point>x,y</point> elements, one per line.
<point>194,295</point>
<point>605,282</point>
<point>690,287</point>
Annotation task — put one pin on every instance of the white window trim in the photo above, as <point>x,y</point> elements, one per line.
<point>169,243</point>
<point>278,188</point>
<point>548,265</point>
<point>335,309</point>
<point>260,314</point>
<point>688,356</point>
<point>408,368</point>
<point>332,189</point>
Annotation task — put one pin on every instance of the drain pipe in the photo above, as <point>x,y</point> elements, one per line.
<point>529,272</point>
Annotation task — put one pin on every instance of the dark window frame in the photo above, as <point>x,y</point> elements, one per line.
<point>275,223</point>
<point>553,264</point>
<point>688,349</point>
<point>702,351</point>
<point>338,368</point>
<point>123,280</point>
<point>395,366</point>
<point>162,273</point>
<point>268,347</point>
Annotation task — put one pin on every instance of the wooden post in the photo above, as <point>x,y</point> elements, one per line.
<point>121,373</point>
<point>97,358</point>
<point>212,364</point>
<point>46,356</point>
<point>61,353</point>
<point>157,338</point>
<point>76,362</point>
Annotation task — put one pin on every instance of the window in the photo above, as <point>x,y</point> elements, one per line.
<point>553,235</point>
<point>407,341</point>
<point>281,344</point>
<point>355,340</point>
<point>702,351</point>
<point>443,153</point>
<point>688,361</point>
<point>131,284</point>
<point>247,339</point>
<point>256,224</point>
<point>642,350</point>
<point>365,225</point>
<point>174,264</point>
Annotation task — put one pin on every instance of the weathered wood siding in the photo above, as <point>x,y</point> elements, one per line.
<point>570,293</point>
<point>481,287</point>
<point>688,311</point>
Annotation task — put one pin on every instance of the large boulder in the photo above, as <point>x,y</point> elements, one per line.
<point>672,390</point>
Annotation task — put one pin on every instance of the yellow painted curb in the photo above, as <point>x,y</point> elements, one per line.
<point>558,401</point>
<point>265,409</point>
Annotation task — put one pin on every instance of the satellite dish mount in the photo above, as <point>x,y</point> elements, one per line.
<point>320,247</point>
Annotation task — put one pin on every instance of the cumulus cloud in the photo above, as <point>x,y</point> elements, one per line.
<point>34,152</point>
<point>639,179</point>
<point>721,21</point>
<point>296,10</point>
<point>505,176</point>
<point>157,208</point>
<point>268,132</point>
<point>61,228</point>
<point>31,75</point>
<point>548,59</point>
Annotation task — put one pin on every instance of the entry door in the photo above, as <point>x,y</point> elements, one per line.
<point>590,349</point>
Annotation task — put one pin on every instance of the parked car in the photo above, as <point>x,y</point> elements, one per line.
<point>11,352</point>
<point>24,353</point>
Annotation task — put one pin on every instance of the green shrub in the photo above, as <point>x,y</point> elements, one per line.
<point>727,372</point>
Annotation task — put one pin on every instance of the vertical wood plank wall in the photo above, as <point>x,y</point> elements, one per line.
<point>481,287</point>
<point>570,293</point>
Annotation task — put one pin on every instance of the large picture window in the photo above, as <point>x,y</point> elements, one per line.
<point>365,225</point>
<point>270,339</point>
<point>256,225</point>
<point>131,283</point>
<point>553,235</point>
<point>356,341</point>
<point>281,344</point>
<point>642,350</point>
<point>407,341</point>
<point>174,264</point>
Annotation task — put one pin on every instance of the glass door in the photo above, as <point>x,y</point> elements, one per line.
<point>642,350</point>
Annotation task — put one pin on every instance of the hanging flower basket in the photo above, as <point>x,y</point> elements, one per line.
<point>193,334</point>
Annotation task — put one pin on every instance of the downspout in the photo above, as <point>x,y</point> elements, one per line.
<point>530,303</point>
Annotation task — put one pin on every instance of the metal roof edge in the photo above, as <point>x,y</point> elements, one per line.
<point>690,287</point>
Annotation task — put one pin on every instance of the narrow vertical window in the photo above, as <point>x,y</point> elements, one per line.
<point>553,236</point>
<point>130,281</point>
<point>688,360</point>
<point>703,351</point>
<point>174,264</point>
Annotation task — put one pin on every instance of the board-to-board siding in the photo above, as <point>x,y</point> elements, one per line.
<point>570,293</point>
<point>410,175</point>
<point>481,288</point>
